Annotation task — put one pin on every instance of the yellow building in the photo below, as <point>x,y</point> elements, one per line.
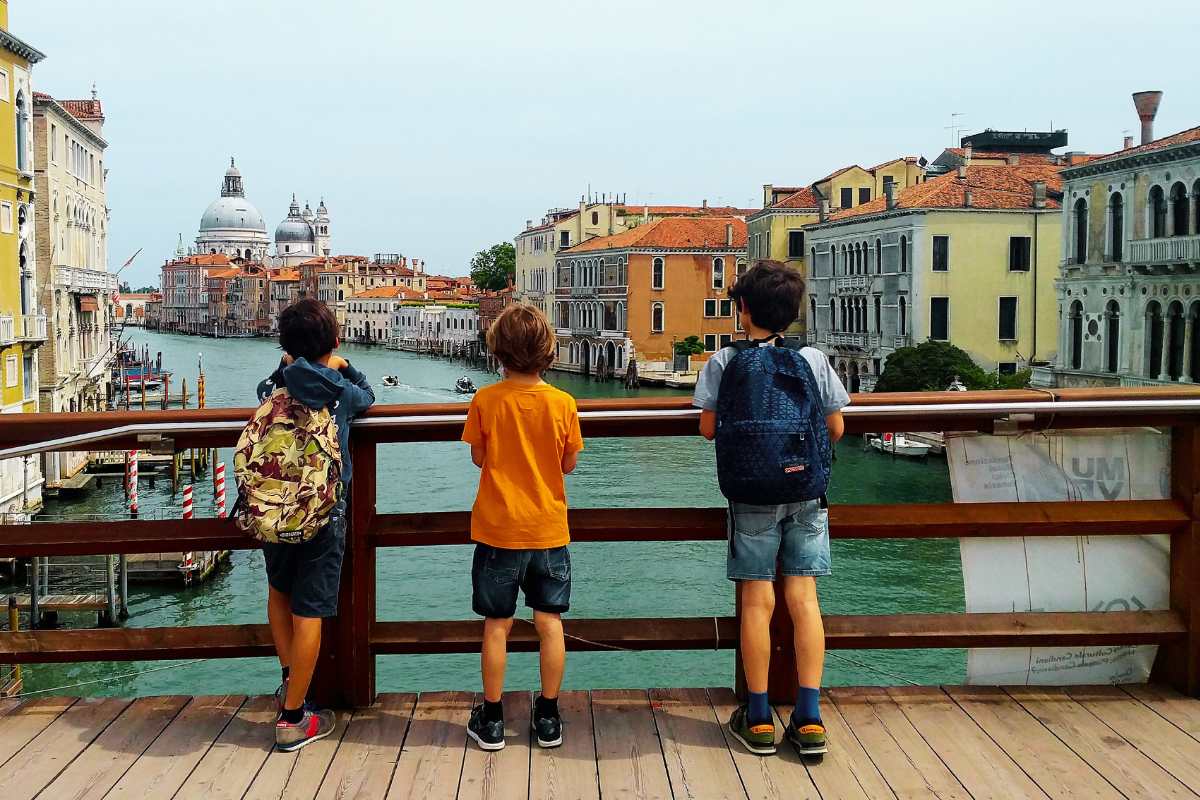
<point>968,257</point>
<point>22,322</point>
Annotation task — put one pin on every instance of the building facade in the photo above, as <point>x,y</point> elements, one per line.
<point>231,225</point>
<point>129,308</point>
<point>436,327</point>
<point>1129,298</point>
<point>303,235</point>
<point>969,257</point>
<point>369,315</point>
<point>185,292</point>
<point>285,288</point>
<point>22,315</point>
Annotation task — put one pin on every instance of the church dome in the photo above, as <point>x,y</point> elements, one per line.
<point>294,229</point>
<point>232,213</point>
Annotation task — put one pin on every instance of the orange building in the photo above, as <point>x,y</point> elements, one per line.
<point>635,294</point>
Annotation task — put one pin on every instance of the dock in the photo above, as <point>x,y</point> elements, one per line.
<point>914,742</point>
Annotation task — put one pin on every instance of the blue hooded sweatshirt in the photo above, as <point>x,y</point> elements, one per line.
<point>346,394</point>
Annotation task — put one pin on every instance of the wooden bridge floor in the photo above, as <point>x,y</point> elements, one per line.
<point>967,742</point>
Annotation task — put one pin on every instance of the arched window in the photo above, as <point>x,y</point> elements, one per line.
<point>878,314</point>
<point>902,319</point>
<point>878,256</point>
<point>904,254</point>
<point>718,273</point>
<point>812,318</point>
<point>1179,210</point>
<point>1154,339</point>
<point>832,314</point>
<point>1079,256</point>
<point>1158,213</point>
<point>656,317</point>
<point>1196,206</point>
<point>1076,334</point>
<point>595,218</point>
<point>22,136</point>
<point>1112,335</point>
<point>812,260</point>
<point>657,273</point>
<point>1116,226</point>
<point>1175,344</point>
<point>1193,370</point>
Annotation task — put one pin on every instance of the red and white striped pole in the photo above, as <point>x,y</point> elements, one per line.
<point>219,489</point>
<point>133,481</point>
<point>187,501</point>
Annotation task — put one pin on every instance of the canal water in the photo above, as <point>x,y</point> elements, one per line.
<point>610,579</point>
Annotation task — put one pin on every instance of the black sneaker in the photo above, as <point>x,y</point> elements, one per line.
<point>548,729</point>
<point>488,735</point>
<point>809,739</point>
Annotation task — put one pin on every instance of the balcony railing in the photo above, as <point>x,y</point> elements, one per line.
<point>8,329</point>
<point>346,669</point>
<point>900,341</point>
<point>850,283</point>
<point>33,327</point>
<point>1170,250</point>
<point>848,339</point>
<point>77,279</point>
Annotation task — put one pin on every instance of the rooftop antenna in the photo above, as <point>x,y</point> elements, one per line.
<point>956,127</point>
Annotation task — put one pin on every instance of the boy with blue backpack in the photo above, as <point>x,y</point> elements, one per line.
<point>774,409</point>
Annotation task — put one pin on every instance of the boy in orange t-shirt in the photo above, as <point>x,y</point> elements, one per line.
<point>524,434</point>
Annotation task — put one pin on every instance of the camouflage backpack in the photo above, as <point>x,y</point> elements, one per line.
<point>288,466</point>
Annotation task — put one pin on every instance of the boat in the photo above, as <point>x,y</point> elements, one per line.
<point>897,444</point>
<point>391,380</point>
<point>464,385</point>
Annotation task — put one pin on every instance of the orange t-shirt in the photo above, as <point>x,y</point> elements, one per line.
<point>522,501</point>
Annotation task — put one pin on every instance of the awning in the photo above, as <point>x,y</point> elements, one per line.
<point>88,302</point>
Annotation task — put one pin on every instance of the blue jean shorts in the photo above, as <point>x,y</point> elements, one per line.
<point>498,574</point>
<point>794,536</point>
<point>310,573</point>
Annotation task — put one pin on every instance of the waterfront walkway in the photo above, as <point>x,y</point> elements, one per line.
<point>915,742</point>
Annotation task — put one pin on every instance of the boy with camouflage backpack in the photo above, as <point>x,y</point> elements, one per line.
<point>293,469</point>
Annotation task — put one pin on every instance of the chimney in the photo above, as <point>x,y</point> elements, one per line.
<point>889,193</point>
<point>729,234</point>
<point>704,203</point>
<point>1013,159</point>
<point>967,198</point>
<point>528,224</point>
<point>768,190</point>
<point>967,151</point>
<point>1039,194</point>
<point>823,214</point>
<point>1128,144</point>
<point>962,171</point>
<point>1146,104</point>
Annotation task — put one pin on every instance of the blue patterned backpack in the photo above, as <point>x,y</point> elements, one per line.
<point>772,443</point>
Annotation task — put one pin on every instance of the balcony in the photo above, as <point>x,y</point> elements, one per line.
<point>8,329</point>
<point>900,341</point>
<point>1171,250</point>
<point>848,340</point>
<point>76,279</point>
<point>851,283</point>
<point>33,328</point>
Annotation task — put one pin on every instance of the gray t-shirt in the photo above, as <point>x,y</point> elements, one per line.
<point>833,394</point>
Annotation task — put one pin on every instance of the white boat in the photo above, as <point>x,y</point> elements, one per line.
<point>897,444</point>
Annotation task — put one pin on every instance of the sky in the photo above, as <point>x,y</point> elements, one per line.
<point>437,129</point>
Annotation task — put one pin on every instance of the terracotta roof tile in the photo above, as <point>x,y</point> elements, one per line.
<point>905,159</point>
<point>1183,137</point>
<point>833,175</point>
<point>285,275</point>
<point>673,233</point>
<point>802,198</point>
<point>388,292</point>
<point>695,211</point>
<point>83,109</point>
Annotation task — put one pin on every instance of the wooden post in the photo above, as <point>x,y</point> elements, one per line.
<point>14,625</point>
<point>345,673</point>
<point>1179,663</point>
<point>123,578</point>
<point>35,586</point>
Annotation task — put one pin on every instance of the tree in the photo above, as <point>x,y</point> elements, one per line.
<point>931,367</point>
<point>492,269</point>
<point>691,346</point>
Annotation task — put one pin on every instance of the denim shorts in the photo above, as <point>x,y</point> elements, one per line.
<point>310,572</point>
<point>794,536</point>
<point>496,575</point>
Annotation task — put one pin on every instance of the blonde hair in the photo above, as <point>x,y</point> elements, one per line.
<point>522,340</point>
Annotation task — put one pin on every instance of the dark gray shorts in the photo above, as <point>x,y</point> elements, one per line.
<point>496,576</point>
<point>310,572</point>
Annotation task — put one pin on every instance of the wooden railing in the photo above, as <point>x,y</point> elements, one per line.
<point>346,671</point>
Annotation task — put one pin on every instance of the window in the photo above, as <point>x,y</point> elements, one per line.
<point>795,244</point>
<point>726,339</point>
<point>726,308</point>
<point>718,273</point>
<point>595,218</point>
<point>1008,319</point>
<point>10,371</point>
<point>878,256</point>
<point>710,342</point>
<point>1080,221</point>
<point>6,218</point>
<point>904,254</point>
<point>564,238</point>
<point>656,274</point>
<point>941,253</point>
<point>1116,226</point>
<point>4,91</point>
<point>864,196</point>
<point>939,318</point>
<point>22,133</point>
<point>710,307</point>
<point>847,198</point>
<point>656,317</point>
<point>1018,253</point>
<point>742,266</point>
<point>1007,368</point>
<point>54,143</point>
<point>888,180</point>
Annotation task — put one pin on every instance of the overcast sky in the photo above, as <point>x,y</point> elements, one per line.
<point>436,129</point>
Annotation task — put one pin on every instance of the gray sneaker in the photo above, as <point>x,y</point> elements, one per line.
<point>313,726</point>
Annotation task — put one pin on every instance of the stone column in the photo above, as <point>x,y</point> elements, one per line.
<point>1164,361</point>
<point>1186,367</point>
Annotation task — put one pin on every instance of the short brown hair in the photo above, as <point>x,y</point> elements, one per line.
<point>308,329</point>
<point>772,292</point>
<point>522,340</point>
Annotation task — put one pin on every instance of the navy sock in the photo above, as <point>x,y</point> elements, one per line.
<point>493,712</point>
<point>759,712</point>
<point>808,706</point>
<point>292,716</point>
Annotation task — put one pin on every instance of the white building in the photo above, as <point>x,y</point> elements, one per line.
<point>232,225</point>
<point>302,235</point>
<point>434,326</point>
<point>369,314</point>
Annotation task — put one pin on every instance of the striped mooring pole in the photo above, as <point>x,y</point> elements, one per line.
<point>219,488</point>
<point>187,501</point>
<point>133,481</point>
<point>188,558</point>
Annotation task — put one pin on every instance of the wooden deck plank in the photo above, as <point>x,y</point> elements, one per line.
<point>166,764</point>
<point>698,762</point>
<point>1165,744</point>
<point>501,774</point>
<point>9,704</point>
<point>27,720</point>
<point>228,768</point>
<point>101,765</point>
<point>363,765</point>
<point>432,758</point>
<point>1180,710</point>
<point>47,754</point>
<point>297,775</point>
<point>567,772</point>
<point>910,767</point>
<point>1054,766</point>
<point>846,772</point>
<point>1132,773</point>
<point>976,761</point>
<point>629,756</point>
<point>780,776</point>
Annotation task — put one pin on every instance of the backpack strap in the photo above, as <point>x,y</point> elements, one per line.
<point>741,345</point>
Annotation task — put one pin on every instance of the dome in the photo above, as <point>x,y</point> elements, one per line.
<point>232,213</point>
<point>293,230</point>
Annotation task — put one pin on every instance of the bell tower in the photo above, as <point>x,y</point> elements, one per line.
<point>321,229</point>
<point>233,182</point>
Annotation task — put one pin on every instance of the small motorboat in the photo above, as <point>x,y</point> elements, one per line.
<point>391,380</point>
<point>897,444</point>
<point>464,385</point>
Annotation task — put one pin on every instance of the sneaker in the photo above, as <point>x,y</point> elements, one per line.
<point>313,726</point>
<point>280,694</point>
<point>547,729</point>
<point>809,739</point>
<point>758,739</point>
<point>488,735</point>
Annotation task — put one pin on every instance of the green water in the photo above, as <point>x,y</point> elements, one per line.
<point>610,579</point>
